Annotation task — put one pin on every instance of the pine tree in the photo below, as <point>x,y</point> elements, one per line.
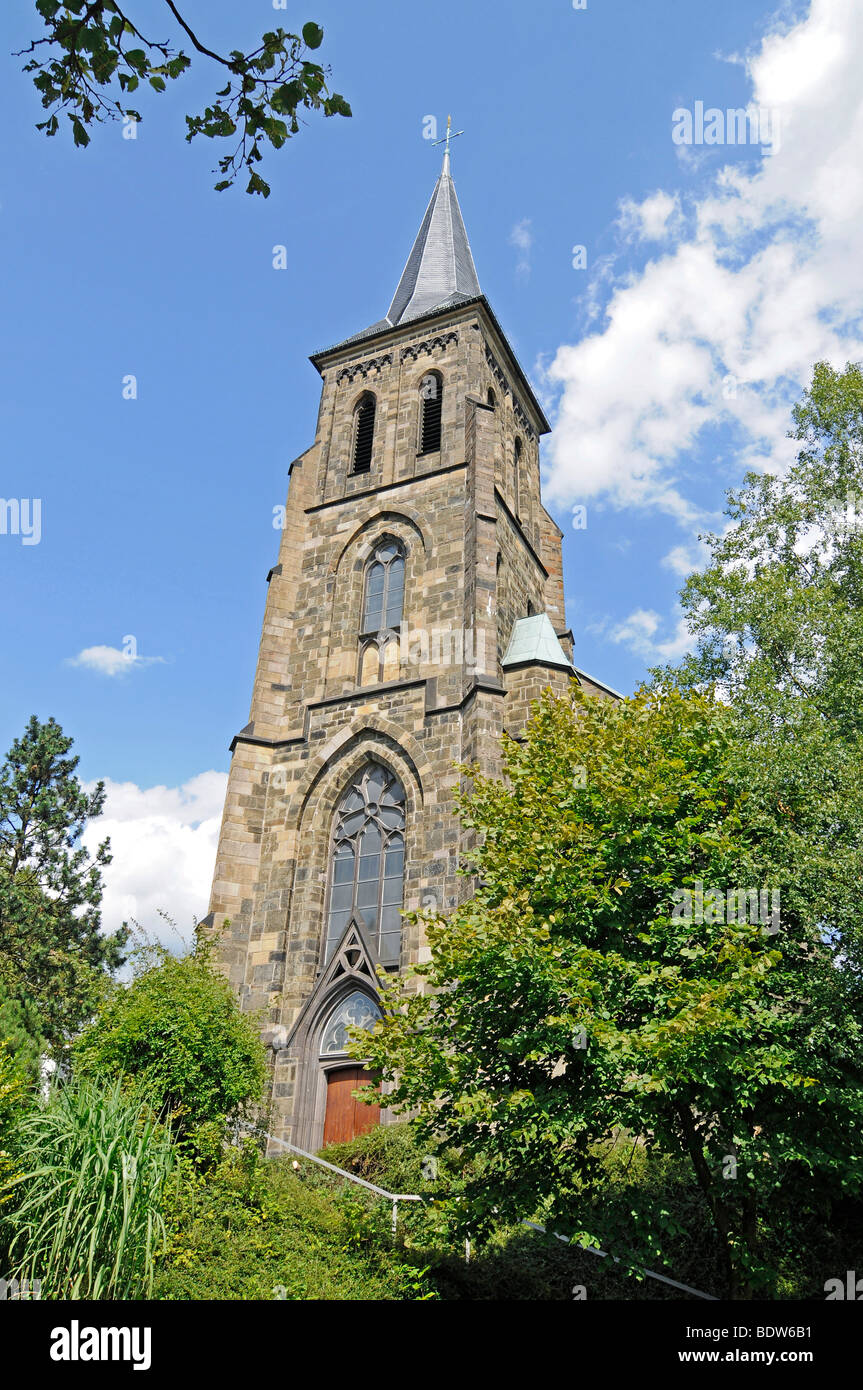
<point>53,956</point>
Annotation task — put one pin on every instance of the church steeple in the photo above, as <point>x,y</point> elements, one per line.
<point>440,269</point>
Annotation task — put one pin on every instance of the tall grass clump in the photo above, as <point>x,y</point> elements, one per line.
<point>86,1216</point>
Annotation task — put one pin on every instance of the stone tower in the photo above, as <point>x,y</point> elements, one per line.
<point>415,611</point>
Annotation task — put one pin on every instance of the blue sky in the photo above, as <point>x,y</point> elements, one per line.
<point>703,264</point>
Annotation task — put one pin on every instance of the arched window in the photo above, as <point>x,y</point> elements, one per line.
<point>431,404</point>
<point>491,398</point>
<point>367,863</point>
<point>357,1011</point>
<point>383,602</point>
<point>364,433</point>
<point>517,472</point>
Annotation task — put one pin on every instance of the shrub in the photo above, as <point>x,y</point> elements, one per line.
<point>86,1211</point>
<point>257,1229</point>
<point>13,1093</point>
<point>177,1029</point>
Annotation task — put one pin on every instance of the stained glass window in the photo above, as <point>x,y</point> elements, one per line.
<point>367,867</point>
<point>357,1011</point>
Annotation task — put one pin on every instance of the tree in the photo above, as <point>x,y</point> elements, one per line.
<point>577,995</point>
<point>778,613</point>
<point>95,57</point>
<point>178,1032</point>
<point>778,610</point>
<point>53,956</point>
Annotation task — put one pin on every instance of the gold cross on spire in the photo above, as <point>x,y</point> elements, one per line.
<point>450,135</point>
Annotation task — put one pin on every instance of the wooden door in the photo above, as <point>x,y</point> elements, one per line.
<point>347,1117</point>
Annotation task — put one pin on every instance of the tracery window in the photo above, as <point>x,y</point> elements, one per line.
<point>357,1011</point>
<point>367,862</point>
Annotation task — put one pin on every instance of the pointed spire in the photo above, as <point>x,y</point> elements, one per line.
<point>440,266</point>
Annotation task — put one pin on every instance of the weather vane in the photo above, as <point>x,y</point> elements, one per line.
<point>450,135</point>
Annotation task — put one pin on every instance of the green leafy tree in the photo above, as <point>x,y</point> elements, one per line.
<point>778,617</point>
<point>178,1031</point>
<point>93,57</point>
<point>778,610</point>
<point>53,956</point>
<point>573,997</point>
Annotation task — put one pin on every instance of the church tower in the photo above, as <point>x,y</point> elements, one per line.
<point>415,611</point>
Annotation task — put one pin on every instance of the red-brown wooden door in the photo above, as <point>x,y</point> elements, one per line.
<point>347,1117</point>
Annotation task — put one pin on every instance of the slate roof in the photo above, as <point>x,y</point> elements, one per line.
<point>440,266</point>
<point>439,273</point>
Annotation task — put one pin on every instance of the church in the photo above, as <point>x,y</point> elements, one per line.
<point>415,610</point>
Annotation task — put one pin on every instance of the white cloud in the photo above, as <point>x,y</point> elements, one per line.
<point>762,276</point>
<point>638,633</point>
<point>521,237</point>
<point>163,840</point>
<point>683,559</point>
<point>112,661</point>
<point>654,219</point>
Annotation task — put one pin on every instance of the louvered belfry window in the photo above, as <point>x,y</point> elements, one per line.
<point>431,405</point>
<point>517,474</point>
<point>364,433</point>
<point>367,865</point>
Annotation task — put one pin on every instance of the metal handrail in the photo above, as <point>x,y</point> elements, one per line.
<point>396,1197</point>
<point>651,1273</point>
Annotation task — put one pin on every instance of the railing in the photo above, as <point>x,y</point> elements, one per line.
<point>651,1273</point>
<point>396,1197</point>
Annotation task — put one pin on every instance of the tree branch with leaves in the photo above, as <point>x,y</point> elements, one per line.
<point>93,57</point>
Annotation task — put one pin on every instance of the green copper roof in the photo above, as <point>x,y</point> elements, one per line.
<point>534,639</point>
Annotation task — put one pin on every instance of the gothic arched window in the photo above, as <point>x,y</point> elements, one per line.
<point>383,602</point>
<point>431,405</point>
<point>359,1010</point>
<point>491,398</point>
<point>517,472</point>
<point>364,433</point>
<point>367,862</point>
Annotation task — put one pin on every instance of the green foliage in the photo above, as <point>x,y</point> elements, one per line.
<point>85,1216</point>
<point>13,1097</point>
<point>53,956</point>
<point>779,608</point>
<point>568,1000</point>
<point>20,1027</point>
<point>97,58</point>
<point>387,1155</point>
<point>257,1229</point>
<point>177,1031</point>
<point>778,612</point>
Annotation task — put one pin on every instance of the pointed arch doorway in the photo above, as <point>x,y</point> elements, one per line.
<point>345,1115</point>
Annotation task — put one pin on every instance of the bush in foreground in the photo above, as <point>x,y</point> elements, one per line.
<point>177,1029</point>
<point>85,1216</point>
